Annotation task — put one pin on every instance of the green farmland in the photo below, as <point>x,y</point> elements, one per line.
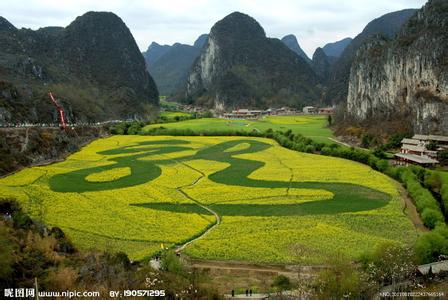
<point>171,115</point>
<point>314,127</point>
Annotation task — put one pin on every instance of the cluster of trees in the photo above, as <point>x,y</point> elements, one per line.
<point>191,132</point>
<point>427,205</point>
<point>389,264</point>
<point>31,250</point>
<point>443,157</point>
<point>135,127</point>
<point>127,128</point>
<point>178,118</point>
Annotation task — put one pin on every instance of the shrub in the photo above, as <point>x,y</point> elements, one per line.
<point>121,258</point>
<point>326,150</point>
<point>310,149</point>
<point>281,283</point>
<point>340,280</point>
<point>125,128</point>
<point>431,217</point>
<point>433,181</point>
<point>389,262</point>
<point>430,246</point>
<point>171,263</point>
<point>135,128</point>
<point>444,196</point>
<point>432,146</point>
<point>379,152</point>
<point>443,157</point>
<point>8,206</point>
<point>6,256</point>
<point>394,140</point>
<point>426,204</point>
<point>119,128</point>
<point>366,140</point>
<point>19,218</point>
<point>381,165</point>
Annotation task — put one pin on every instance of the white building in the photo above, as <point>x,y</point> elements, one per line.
<point>309,110</point>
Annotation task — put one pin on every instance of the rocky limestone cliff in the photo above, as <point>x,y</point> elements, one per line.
<point>93,66</point>
<point>22,147</point>
<point>387,25</point>
<point>405,78</point>
<point>240,67</point>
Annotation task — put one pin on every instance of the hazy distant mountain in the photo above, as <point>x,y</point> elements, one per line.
<point>201,40</point>
<point>335,49</point>
<point>240,67</point>
<point>154,52</point>
<point>93,66</point>
<point>169,65</point>
<point>291,42</point>
<point>387,25</point>
<point>321,64</point>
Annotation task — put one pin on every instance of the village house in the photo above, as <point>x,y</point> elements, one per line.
<point>440,140</point>
<point>286,111</point>
<point>415,150</point>
<point>326,111</point>
<point>243,113</point>
<point>309,110</point>
<point>434,268</point>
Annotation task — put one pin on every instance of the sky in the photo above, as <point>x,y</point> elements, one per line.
<point>314,22</point>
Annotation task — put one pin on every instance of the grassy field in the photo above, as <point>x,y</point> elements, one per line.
<point>171,115</point>
<point>314,127</point>
<point>444,175</point>
<point>137,193</point>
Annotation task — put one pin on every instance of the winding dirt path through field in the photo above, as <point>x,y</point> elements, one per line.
<point>410,210</point>
<point>217,217</point>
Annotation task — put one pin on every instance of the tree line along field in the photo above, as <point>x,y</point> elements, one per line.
<point>171,115</point>
<point>137,193</point>
<point>314,127</point>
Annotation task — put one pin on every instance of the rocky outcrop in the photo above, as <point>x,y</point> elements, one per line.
<point>22,147</point>
<point>291,42</point>
<point>93,66</point>
<point>405,78</point>
<point>240,67</point>
<point>387,25</point>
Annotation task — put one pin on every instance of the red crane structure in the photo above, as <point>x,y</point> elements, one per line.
<point>60,111</point>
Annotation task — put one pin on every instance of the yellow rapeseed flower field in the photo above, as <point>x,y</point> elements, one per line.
<point>134,193</point>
